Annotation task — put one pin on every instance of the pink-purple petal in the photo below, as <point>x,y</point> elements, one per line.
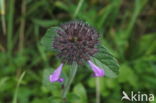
<point>98,72</point>
<point>60,79</point>
<point>55,76</point>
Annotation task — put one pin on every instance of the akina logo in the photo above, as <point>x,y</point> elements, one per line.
<point>137,96</point>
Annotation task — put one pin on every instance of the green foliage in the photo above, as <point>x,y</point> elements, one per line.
<point>80,91</point>
<point>47,40</point>
<point>126,27</point>
<point>106,61</point>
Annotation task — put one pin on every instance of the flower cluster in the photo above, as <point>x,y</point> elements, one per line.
<point>75,42</point>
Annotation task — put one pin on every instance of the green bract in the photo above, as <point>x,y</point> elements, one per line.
<point>48,38</point>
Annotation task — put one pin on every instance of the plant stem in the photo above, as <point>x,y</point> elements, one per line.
<point>2,12</point>
<point>22,26</point>
<point>10,25</point>
<point>78,8</point>
<point>73,70</point>
<point>17,87</point>
<point>97,90</point>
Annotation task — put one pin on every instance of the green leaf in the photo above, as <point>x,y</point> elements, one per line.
<point>47,100</point>
<point>127,75</point>
<point>48,38</point>
<point>105,60</point>
<point>146,45</point>
<point>44,22</point>
<point>80,91</point>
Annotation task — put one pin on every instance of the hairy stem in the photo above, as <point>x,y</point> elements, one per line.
<point>73,70</point>
<point>97,90</point>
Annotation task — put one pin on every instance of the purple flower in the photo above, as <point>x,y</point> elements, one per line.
<point>98,72</point>
<point>55,76</point>
<point>76,41</point>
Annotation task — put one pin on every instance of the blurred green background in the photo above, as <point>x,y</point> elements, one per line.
<point>128,29</point>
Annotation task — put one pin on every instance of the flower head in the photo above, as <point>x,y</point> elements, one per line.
<point>77,42</point>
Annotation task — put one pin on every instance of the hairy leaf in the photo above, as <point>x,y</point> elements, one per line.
<point>105,60</point>
<point>48,38</point>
